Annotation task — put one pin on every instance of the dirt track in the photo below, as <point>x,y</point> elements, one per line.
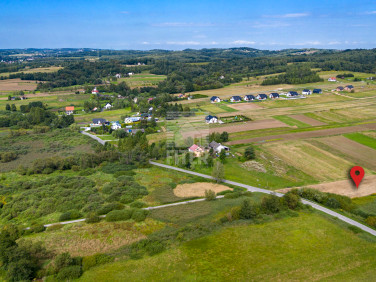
<point>346,187</point>
<point>307,120</point>
<point>307,134</point>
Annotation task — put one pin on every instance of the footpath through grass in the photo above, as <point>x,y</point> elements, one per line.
<point>307,247</point>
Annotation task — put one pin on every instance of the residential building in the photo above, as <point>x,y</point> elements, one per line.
<point>306,92</point>
<point>197,150</point>
<point>99,121</point>
<point>215,99</point>
<point>317,91</point>
<point>332,79</point>
<point>218,147</point>
<point>273,95</point>
<point>349,87</point>
<point>132,119</point>
<point>95,91</point>
<point>69,110</point>
<point>211,119</point>
<point>108,106</point>
<point>235,99</point>
<point>249,98</point>
<point>261,97</point>
<point>292,94</point>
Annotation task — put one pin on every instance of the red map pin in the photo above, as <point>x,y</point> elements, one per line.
<point>357,174</point>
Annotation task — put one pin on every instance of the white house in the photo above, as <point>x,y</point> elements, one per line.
<point>249,97</point>
<point>95,91</point>
<point>130,73</point>
<point>129,120</point>
<point>235,99</point>
<point>215,99</point>
<point>115,125</point>
<point>306,92</point>
<point>69,110</point>
<point>261,97</point>
<point>108,106</point>
<point>218,147</point>
<point>211,119</point>
<point>292,94</point>
<point>273,95</point>
<point>118,75</point>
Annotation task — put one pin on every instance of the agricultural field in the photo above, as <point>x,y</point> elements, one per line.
<point>142,80</point>
<point>16,84</point>
<point>276,250</point>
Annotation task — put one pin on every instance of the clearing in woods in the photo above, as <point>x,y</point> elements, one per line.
<point>198,189</point>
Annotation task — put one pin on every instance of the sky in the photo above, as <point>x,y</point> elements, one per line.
<point>177,25</point>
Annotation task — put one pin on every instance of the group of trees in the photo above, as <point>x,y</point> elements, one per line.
<point>295,74</point>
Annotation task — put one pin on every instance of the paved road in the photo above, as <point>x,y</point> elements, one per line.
<point>255,189</point>
<point>94,137</point>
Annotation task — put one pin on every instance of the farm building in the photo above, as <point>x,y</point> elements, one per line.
<point>292,94</point>
<point>332,79</point>
<point>131,119</point>
<point>339,88</point>
<point>349,87</point>
<point>198,151</point>
<point>215,99</point>
<point>235,99</point>
<point>99,121</point>
<point>218,147</point>
<point>261,97</point>
<point>273,95</point>
<point>249,98</point>
<point>306,92</point>
<point>317,91</point>
<point>211,119</point>
<point>69,110</point>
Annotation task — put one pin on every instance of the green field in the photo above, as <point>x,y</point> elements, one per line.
<point>291,121</point>
<point>362,139</point>
<point>308,247</point>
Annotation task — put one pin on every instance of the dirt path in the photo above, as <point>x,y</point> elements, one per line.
<point>307,134</point>
<point>307,120</point>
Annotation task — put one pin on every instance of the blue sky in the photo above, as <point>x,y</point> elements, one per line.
<point>195,24</point>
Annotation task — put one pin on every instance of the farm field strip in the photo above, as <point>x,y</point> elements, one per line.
<point>366,138</point>
<point>307,120</point>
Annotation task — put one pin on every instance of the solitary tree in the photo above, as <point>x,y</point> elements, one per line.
<point>13,108</point>
<point>222,156</point>
<point>7,107</point>
<point>249,153</point>
<point>218,172</point>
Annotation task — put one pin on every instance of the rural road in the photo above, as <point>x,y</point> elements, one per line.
<point>255,189</point>
<point>94,137</point>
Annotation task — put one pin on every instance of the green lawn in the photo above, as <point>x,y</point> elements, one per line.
<point>362,139</point>
<point>291,121</point>
<point>308,247</point>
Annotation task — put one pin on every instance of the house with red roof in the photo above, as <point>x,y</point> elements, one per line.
<point>69,110</point>
<point>95,91</point>
<point>332,79</point>
<point>197,150</point>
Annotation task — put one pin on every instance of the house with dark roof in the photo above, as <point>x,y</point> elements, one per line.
<point>249,98</point>
<point>235,99</point>
<point>339,88</point>
<point>273,95</point>
<point>218,147</point>
<point>306,92</point>
<point>215,99</point>
<point>317,91</point>
<point>292,94</point>
<point>99,121</point>
<point>349,87</point>
<point>261,97</point>
<point>211,119</point>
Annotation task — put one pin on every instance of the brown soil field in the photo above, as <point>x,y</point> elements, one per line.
<point>239,126</point>
<point>245,106</point>
<point>17,85</point>
<point>346,187</point>
<point>365,154</point>
<point>307,134</point>
<point>307,120</point>
<point>198,189</point>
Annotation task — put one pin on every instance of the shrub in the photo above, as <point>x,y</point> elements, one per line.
<point>291,200</point>
<point>62,260</point>
<point>92,218</point>
<point>355,229</point>
<point>138,204</point>
<point>117,215</point>
<point>110,207</point>
<point>233,195</point>
<point>371,221</point>
<point>249,153</point>
<point>69,272</point>
<point>271,204</point>
<point>139,215</point>
<point>94,260</point>
<point>73,214</point>
<point>210,195</point>
<point>54,227</point>
<point>248,211</point>
<point>37,228</point>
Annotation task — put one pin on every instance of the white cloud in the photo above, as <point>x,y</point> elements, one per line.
<point>371,13</point>
<point>145,43</point>
<point>242,42</point>
<point>181,24</point>
<point>334,43</point>
<point>291,15</point>
<point>270,25</point>
<point>307,43</point>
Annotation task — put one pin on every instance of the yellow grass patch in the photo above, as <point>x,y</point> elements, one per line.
<point>198,189</point>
